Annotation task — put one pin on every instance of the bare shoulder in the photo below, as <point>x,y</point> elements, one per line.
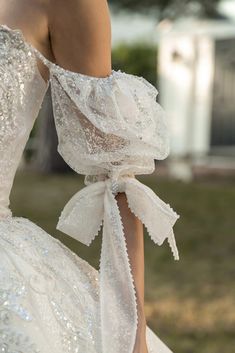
<point>30,16</point>
<point>80,34</point>
<point>72,8</point>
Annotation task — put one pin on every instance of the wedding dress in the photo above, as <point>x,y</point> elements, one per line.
<point>109,129</point>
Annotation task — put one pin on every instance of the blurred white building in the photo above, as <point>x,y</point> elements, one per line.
<point>197,89</point>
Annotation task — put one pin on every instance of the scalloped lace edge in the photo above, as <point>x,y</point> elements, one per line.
<point>130,274</point>
<point>170,237</point>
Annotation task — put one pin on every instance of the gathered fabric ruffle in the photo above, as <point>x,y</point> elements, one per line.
<point>111,123</point>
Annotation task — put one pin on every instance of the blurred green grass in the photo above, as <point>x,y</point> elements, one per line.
<point>189,303</point>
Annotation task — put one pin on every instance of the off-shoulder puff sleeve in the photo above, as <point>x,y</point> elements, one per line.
<point>111,129</point>
<point>109,125</point>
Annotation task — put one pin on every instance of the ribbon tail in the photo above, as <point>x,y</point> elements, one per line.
<point>117,291</point>
<point>82,216</point>
<point>158,217</point>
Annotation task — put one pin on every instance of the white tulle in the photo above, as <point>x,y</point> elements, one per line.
<point>109,129</point>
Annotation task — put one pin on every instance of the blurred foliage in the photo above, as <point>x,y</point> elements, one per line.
<point>172,8</point>
<point>189,303</point>
<point>137,59</point>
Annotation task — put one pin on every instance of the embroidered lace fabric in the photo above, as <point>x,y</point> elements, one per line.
<point>110,129</point>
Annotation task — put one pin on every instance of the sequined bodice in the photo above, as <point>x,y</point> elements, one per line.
<point>21,93</point>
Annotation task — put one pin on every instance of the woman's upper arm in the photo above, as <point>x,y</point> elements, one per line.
<point>80,32</point>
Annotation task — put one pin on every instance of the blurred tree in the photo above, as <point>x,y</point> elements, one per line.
<point>172,8</point>
<point>137,59</point>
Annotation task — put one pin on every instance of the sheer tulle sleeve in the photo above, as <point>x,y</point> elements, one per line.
<point>112,129</point>
<point>109,125</point>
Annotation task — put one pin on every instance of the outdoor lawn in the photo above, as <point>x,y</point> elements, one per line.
<point>189,303</point>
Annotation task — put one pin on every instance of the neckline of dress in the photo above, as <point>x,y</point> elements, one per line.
<point>49,63</point>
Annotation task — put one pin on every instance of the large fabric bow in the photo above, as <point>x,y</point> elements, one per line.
<point>82,218</point>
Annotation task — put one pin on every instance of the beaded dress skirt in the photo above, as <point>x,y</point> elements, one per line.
<point>110,130</point>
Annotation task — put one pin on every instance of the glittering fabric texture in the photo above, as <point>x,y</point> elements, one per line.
<point>110,129</point>
<point>21,94</point>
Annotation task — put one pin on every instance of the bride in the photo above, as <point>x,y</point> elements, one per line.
<point>110,129</point>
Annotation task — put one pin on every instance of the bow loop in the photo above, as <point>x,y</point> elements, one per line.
<point>83,215</point>
<point>158,217</point>
<point>82,218</point>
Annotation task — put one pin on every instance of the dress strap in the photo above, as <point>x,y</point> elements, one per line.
<point>40,56</point>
